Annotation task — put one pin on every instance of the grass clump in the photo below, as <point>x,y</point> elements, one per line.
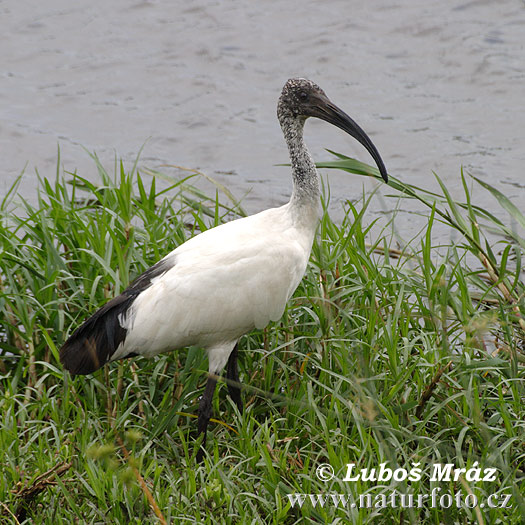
<point>407,355</point>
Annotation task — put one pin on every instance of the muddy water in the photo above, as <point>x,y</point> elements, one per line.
<point>436,84</point>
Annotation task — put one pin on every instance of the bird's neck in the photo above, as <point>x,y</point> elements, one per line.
<point>305,195</point>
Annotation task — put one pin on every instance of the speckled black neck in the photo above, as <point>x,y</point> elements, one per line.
<point>304,173</point>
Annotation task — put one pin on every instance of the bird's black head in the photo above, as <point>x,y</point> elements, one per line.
<point>301,98</point>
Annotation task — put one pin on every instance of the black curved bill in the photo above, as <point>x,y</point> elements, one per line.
<point>329,112</point>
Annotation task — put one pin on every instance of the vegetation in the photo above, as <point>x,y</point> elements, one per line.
<point>408,354</point>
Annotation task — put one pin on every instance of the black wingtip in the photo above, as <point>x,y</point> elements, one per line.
<point>80,356</point>
<point>94,342</point>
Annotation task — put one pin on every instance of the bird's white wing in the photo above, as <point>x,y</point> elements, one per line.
<point>223,283</point>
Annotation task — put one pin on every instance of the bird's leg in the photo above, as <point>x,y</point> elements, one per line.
<point>205,412</point>
<point>232,378</point>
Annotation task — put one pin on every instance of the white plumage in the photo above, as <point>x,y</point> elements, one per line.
<point>211,295</point>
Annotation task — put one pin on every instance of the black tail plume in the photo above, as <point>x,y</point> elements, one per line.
<point>94,342</point>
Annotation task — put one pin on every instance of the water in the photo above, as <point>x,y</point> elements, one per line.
<point>436,85</point>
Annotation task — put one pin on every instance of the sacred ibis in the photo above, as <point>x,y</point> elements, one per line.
<point>226,281</point>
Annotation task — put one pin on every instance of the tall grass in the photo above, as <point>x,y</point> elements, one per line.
<point>386,354</point>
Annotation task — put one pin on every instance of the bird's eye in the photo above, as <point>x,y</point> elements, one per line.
<point>303,96</point>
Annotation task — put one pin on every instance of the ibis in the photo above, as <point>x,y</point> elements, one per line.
<point>226,281</point>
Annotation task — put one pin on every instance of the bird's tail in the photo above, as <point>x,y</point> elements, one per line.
<point>96,340</point>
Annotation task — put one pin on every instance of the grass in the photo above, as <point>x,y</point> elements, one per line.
<point>407,354</point>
